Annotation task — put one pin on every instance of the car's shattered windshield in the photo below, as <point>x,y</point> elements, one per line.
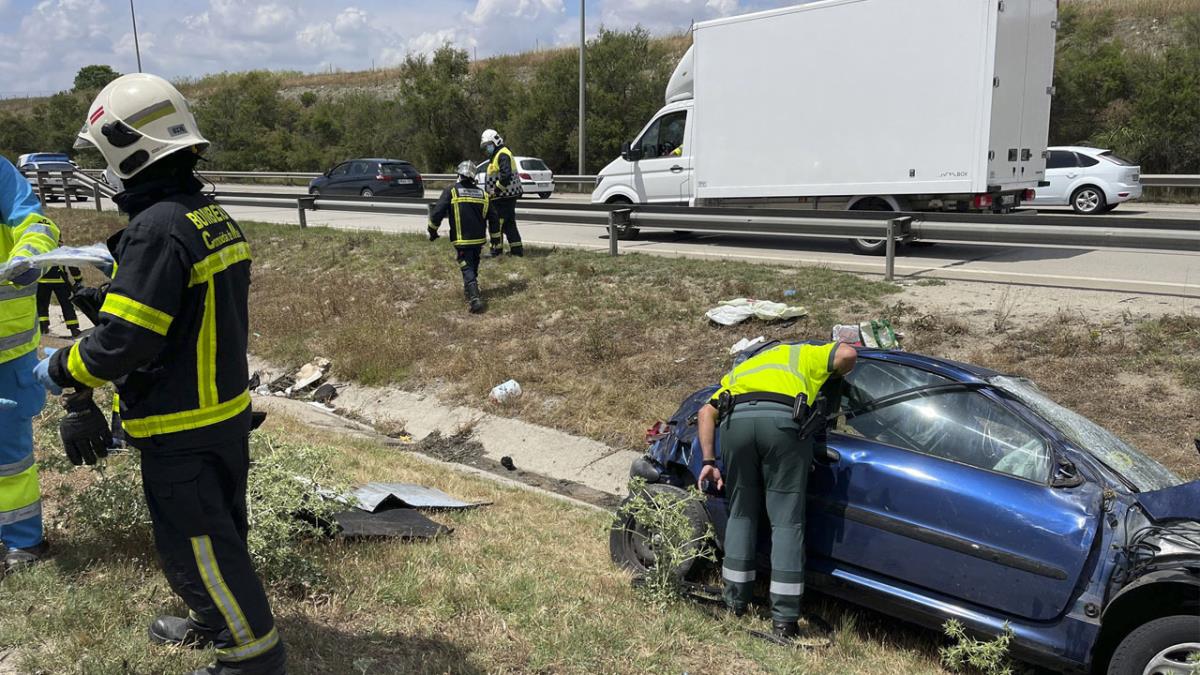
<point>1144,473</point>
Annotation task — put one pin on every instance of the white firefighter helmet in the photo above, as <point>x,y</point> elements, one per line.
<point>491,136</point>
<point>137,120</point>
<point>466,169</point>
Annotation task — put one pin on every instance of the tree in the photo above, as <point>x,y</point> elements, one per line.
<point>94,77</point>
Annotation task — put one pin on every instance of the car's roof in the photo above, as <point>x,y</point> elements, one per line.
<point>955,370</point>
<point>378,159</point>
<point>1080,148</point>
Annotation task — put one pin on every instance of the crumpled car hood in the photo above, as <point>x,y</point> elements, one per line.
<point>1173,503</point>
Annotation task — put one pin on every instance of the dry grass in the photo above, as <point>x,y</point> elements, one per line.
<point>521,586</point>
<point>1139,9</point>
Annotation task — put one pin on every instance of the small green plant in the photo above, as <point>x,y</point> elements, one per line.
<point>283,478</point>
<point>987,657</point>
<point>670,535</point>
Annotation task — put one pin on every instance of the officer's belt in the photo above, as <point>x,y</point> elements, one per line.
<point>757,396</point>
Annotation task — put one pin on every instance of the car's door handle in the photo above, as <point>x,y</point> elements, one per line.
<point>677,169</point>
<point>1072,175</point>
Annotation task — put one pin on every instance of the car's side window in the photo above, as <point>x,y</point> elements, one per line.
<point>649,141</point>
<point>957,425</point>
<point>1060,159</point>
<point>1086,161</point>
<point>339,170</point>
<point>358,169</point>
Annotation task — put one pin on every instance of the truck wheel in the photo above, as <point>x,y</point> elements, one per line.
<point>624,233</point>
<point>1088,200</point>
<point>870,246</point>
<point>1166,646</point>
<point>629,541</point>
<point>544,195</point>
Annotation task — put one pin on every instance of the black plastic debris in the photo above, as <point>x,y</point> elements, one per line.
<point>325,393</point>
<point>396,523</point>
<point>507,463</point>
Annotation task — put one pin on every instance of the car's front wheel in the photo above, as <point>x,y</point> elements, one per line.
<point>631,543</point>
<point>367,192</point>
<point>1166,646</point>
<point>1088,200</point>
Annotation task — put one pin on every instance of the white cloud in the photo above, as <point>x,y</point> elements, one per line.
<point>351,30</point>
<point>672,15</point>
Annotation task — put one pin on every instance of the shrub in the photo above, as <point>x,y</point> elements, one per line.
<point>673,540</point>
<point>990,658</point>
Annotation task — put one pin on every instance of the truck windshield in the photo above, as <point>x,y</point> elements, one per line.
<point>1144,473</point>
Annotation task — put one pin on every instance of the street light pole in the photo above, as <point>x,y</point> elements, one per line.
<point>136,49</point>
<point>582,98</point>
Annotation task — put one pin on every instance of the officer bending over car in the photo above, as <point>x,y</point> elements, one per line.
<point>771,409</point>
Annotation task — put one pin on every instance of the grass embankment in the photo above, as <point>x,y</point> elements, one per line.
<point>521,586</point>
<point>603,346</point>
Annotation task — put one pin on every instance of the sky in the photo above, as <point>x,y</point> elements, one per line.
<point>49,40</point>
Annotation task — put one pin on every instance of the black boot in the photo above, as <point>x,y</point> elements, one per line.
<point>785,630</point>
<point>179,632</point>
<point>474,301</point>
<point>517,251</point>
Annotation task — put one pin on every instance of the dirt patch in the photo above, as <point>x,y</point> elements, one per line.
<point>458,448</point>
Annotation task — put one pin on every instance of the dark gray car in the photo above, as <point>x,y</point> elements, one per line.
<point>370,178</point>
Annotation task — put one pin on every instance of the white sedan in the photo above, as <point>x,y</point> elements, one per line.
<point>1089,180</point>
<point>536,177</point>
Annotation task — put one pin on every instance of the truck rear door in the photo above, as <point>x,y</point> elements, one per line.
<point>1039,82</point>
<point>1022,79</point>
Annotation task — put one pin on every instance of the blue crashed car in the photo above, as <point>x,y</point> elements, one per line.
<point>953,492</point>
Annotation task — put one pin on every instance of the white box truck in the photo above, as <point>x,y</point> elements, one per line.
<point>883,105</point>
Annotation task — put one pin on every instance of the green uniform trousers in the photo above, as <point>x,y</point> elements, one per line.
<point>766,465</point>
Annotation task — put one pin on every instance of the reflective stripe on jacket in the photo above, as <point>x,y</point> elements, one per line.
<point>502,179</point>
<point>471,216</point>
<point>173,328</point>
<point>788,370</point>
<point>24,232</point>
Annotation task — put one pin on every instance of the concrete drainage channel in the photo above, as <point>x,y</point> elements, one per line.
<point>579,469</point>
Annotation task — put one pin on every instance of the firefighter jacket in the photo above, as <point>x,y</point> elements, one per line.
<point>24,232</point>
<point>503,181</point>
<point>173,328</point>
<point>472,217</point>
<point>62,275</point>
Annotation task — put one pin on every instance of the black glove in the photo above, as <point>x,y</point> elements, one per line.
<point>85,433</point>
<point>433,234</point>
<point>89,301</point>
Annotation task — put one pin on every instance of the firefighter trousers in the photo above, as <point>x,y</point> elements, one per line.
<point>766,470</point>
<point>468,263</point>
<point>63,293</point>
<point>507,210</point>
<point>197,500</point>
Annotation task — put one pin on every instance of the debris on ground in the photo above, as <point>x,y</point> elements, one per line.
<point>744,344</point>
<point>375,496</point>
<point>459,448</point>
<point>505,390</point>
<point>305,383</point>
<point>733,312</point>
<point>874,334</point>
<point>325,393</point>
<point>507,463</point>
<point>309,374</point>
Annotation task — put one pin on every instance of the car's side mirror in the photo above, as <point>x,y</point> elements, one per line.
<point>630,153</point>
<point>1066,475</point>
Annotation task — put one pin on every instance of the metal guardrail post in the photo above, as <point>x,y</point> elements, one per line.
<point>896,227</point>
<point>304,204</point>
<point>68,193</point>
<point>96,195</point>
<point>41,185</point>
<point>616,219</point>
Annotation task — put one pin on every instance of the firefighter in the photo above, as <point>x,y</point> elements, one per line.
<point>172,336</point>
<point>24,232</point>
<point>473,219</point>
<point>504,188</point>
<point>59,282</point>
<point>771,407</point>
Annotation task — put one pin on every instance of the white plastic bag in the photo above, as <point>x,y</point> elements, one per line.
<point>96,255</point>
<point>733,312</point>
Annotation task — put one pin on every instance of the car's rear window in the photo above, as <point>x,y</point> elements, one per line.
<point>406,170</point>
<point>1116,159</point>
<point>534,165</point>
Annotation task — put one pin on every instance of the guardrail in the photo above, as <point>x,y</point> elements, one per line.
<point>69,184</point>
<point>1148,180</point>
<point>1171,180</point>
<point>1016,229</point>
